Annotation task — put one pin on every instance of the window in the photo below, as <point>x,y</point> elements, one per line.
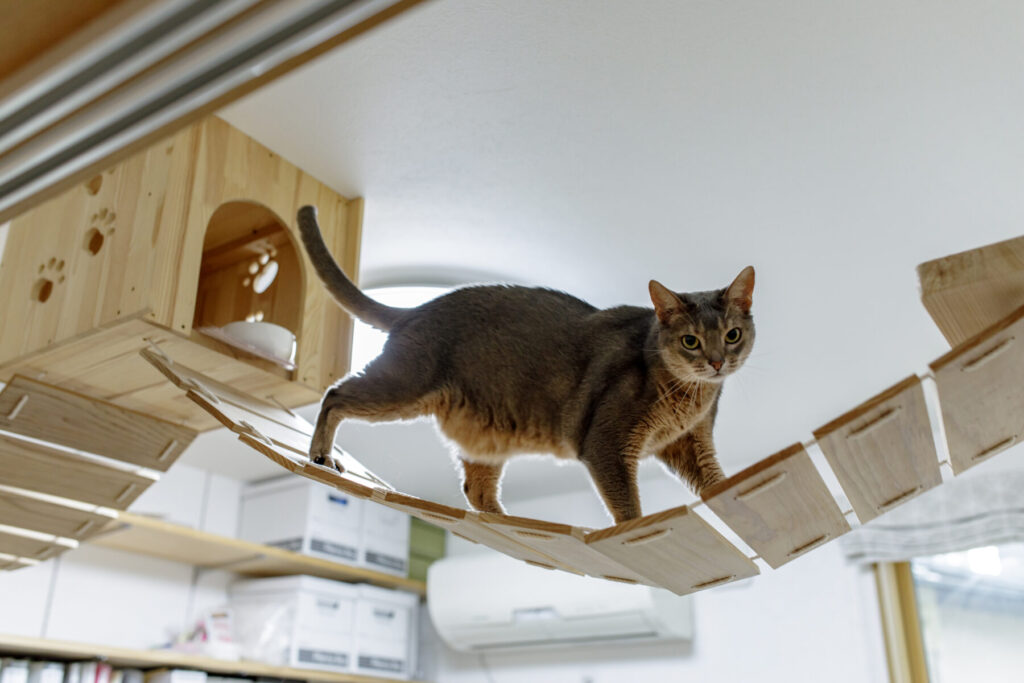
<point>971,609</point>
<point>367,342</point>
<point>956,616</point>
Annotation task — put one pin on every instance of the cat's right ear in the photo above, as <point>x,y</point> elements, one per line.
<point>666,302</point>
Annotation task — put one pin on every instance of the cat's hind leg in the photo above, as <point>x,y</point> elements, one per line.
<point>374,396</point>
<point>481,482</point>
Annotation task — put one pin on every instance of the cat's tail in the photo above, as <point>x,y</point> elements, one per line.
<point>344,291</point>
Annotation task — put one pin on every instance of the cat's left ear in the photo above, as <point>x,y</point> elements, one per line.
<point>741,292</point>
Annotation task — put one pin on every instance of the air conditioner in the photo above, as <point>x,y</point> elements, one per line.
<point>490,602</point>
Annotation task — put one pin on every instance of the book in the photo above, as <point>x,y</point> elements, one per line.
<point>14,671</point>
<point>175,676</point>
<point>45,672</point>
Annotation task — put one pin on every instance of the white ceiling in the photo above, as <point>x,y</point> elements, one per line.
<point>590,146</point>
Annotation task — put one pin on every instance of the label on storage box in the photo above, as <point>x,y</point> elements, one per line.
<point>292,544</point>
<point>336,549</point>
<point>381,664</point>
<point>324,657</point>
<point>386,561</point>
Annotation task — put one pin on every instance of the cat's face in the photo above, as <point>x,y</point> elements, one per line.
<point>705,335</point>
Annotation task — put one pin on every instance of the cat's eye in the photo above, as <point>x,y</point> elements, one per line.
<point>690,342</point>
<point>733,335</point>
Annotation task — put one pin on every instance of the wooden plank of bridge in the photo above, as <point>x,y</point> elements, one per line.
<point>883,451</point>
<point>779,506</point>
<point>981,391</point>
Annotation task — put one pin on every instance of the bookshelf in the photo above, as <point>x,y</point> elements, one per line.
<point>157,538</point>
<point>38,648</point>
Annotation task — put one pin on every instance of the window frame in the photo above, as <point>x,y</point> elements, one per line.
<point>901,625</point>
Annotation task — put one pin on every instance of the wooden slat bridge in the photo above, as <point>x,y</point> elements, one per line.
<point>882,454</point>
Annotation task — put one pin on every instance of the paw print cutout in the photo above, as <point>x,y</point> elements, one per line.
<point>101,226</point>
<point>51,275</point>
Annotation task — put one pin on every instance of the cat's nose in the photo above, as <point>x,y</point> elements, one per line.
<point>716,364</point>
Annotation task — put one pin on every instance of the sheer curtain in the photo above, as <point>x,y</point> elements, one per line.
<point>976,509</point>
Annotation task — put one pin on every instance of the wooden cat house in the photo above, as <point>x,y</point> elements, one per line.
<point>168,249</point>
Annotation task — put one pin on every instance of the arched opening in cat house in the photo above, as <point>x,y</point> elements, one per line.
<point>250,283</point>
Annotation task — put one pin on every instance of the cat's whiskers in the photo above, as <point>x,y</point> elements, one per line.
<point>694,387</point>
<point>675,386</point>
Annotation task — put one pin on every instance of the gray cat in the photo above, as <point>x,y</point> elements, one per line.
<point>509,370</point>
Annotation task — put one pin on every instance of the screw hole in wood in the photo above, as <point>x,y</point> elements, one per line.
<point>620,579</point>
<point>436,517</point>
<point>646,538</point>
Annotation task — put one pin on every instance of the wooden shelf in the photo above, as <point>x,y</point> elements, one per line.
<point>154,537</point>
<point>150,659</point>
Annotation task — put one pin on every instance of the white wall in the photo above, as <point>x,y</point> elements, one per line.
<point>814,619</point>
<point>109,597</point>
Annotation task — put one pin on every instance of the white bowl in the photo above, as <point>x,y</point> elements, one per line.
<point>269,338</point>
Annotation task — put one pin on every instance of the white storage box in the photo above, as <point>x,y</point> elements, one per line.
<point>313,623</point>
<point>303,516</point>
<point>386,632</point>
<point>299,621</point>
<point>307,517</point>
<point>385,540</point>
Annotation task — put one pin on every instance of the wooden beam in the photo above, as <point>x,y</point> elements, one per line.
<point>29,32</point>
<point>329,42</point>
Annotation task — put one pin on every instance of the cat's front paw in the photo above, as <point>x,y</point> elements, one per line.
<point>710,478</point>
<point>329,462</point>
<point>321,454</point>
